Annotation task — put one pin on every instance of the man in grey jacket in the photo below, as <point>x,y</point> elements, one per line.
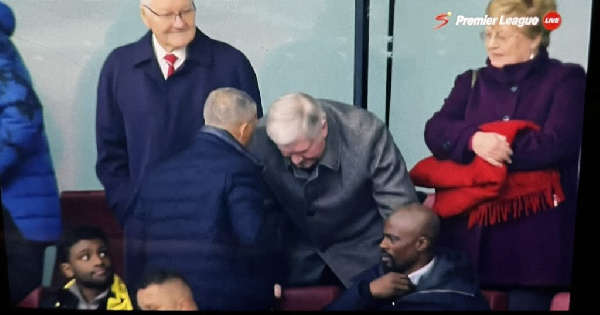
<point>336,172</point>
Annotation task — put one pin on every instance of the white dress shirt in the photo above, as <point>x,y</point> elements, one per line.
<point>416,275</point>
<point>160,56</point>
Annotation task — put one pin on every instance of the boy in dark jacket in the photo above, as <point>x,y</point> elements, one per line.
<point>93,284</point>
<point>411,274</point>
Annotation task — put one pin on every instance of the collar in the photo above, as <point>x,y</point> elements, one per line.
<point>118,297</point>
<point>160,52</point>
<point>229,139</point>
<point>416,275</point>
<point>73,287</point>
<point>198,51</point>
<point>517,72</point>
<point>333,148</point>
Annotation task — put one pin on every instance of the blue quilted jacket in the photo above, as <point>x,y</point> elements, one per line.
<point>201,213</point>
<point>29,189</point>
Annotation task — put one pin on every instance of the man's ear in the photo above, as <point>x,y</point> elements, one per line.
<point>67,270</point>
<point>422,244</point>
<point>244,129</point>
<point>186,305</point>
<point>325,128</point>
<point>144,16</point>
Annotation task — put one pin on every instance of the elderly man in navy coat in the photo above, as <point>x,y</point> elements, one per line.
<point>202,212</point>
<point>150,99</point>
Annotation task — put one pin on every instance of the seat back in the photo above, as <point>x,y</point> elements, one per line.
<point>311,298</point>
<point>561,301</point>
<point>32,300</point>
<point>497,300</point>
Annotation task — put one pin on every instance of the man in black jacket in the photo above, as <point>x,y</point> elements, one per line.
<point>411,274</point>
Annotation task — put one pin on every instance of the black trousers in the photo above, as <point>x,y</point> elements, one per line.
<point>25,260</point>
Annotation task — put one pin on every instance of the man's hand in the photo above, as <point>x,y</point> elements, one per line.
<point>277,290</point>
<point>390,284</point>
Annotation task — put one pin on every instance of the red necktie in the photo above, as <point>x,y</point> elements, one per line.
<point>170,58</point>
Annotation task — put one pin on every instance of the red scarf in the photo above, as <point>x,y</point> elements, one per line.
<point>487,193</point>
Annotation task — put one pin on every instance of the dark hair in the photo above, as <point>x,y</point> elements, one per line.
<point>72,235</point>
<point>160,276</point>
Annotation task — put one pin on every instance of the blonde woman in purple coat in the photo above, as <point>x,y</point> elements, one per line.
<point>530,254</point>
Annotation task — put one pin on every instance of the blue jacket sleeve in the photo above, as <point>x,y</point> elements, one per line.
<point>358,296</point>
<point>245,202</point>
<point>20,117</point>
<point>112,166</point>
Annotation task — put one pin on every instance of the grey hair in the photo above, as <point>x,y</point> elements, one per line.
<point>147,2</point>
<point>228,107</point>
<point>293,116</point>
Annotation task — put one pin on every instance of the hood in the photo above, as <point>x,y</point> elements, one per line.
<point>7,20</point>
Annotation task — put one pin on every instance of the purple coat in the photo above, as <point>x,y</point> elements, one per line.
<point>536,249</point>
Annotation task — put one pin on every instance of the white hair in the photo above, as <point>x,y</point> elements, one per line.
<point>294,116</point>
<point>148,2</point>
<point>228,107</point>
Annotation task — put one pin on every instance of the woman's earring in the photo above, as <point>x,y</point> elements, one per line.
<point>531,56</point>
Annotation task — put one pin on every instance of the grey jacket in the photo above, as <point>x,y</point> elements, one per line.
<point>337,214</point>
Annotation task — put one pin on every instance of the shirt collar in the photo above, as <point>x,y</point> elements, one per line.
<point>83,304</point>
<point>160,52</point>
<point>199,51</point>
<point>416,275</point>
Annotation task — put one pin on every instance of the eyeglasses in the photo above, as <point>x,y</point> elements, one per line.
<point>171,17</point>
<point>501,37</point>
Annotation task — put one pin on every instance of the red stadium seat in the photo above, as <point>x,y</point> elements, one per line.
<point>32,300</point>
<point>561,301</point>
<point>312,298</point>
<point>497,299</point>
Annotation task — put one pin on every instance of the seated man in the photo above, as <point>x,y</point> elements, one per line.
<point>411,274</point>
<point>202,212</point>
<point>164,290</point>
<point>93,284</point>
